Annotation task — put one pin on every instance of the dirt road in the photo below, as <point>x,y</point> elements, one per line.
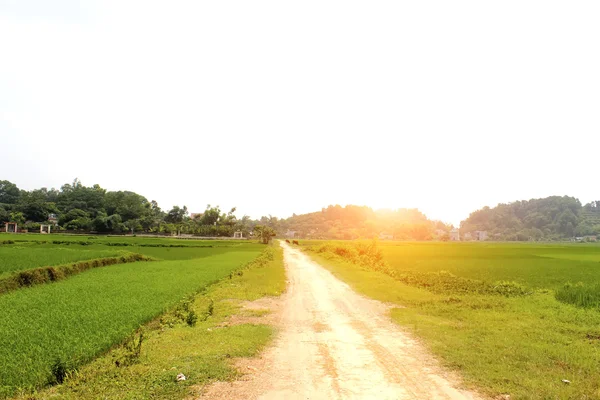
<point>336,344</point>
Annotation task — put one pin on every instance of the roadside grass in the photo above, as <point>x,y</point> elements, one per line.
<point>73,321</point>
<point>203,352</point>
<point>521,346</point>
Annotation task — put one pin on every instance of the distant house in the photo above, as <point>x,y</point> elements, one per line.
<point>194,215</point>
<point>290,234</point>
<point>481,235</point>
<point>590,238</point>
<point>454,235</point>
<point>468,236</point>
<point>53,219</point>
<point>386,236</point>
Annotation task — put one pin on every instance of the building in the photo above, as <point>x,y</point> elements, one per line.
<point>386,236</point>
<point>468,236</point>
<point>290,234</point>
<point>454,235</point>
<point>53,219</point>
<point>11,227</point>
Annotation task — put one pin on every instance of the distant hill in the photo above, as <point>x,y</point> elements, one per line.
<point>555,217</point>
<point>355,222</point>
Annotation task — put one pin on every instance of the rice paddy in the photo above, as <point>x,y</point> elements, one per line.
<point>68,323</point>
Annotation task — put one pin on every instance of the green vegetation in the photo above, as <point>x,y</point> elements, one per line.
<point>522,344</point>
<point>37,276</point>
<point>76,207</point>
<point>353,222</point>
<point>49,329</point>
<point>24,256</point>
<point>202,352</point>
<point>550,218</point>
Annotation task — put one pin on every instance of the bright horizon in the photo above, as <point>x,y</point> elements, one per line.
<point>280,108</point>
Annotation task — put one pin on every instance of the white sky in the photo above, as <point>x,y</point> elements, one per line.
<point>280,107</point>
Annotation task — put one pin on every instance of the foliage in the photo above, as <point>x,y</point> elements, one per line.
<point>9,193</point>
<point>83,208</point>
<point>536,219</point>
<point>354,222</point>
<point>264,233</point>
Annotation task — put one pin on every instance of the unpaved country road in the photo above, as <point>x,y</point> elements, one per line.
<point>336,344</point>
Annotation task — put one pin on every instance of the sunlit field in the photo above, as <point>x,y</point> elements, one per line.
<point>514,318</point>
<point>54,325</point>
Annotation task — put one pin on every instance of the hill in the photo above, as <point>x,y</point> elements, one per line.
<point>550,218</point>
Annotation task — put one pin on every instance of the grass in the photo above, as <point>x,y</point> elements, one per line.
<point>203,352</point>
<point>518,345</point>
<point>75,320</point>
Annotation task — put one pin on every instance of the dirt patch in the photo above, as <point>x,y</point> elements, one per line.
<point>261,311</point>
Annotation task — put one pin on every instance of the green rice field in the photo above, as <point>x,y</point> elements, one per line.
<point>25,256</point>
<point>72,321</point>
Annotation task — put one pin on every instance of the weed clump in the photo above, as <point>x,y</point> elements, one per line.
<point>129,353</point>
<point>60,371</point>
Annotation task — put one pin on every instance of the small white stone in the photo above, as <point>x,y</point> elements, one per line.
<point>180,377</point>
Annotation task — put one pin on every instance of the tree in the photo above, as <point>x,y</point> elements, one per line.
<point>211,215</point>
<point>128,205</point>
<point>78,196</point>
<point>17,216</point>
<point>264,233</point>
<point>176,215</point>
<point>34,205</point>
<point>75,214</point>
<point>9,193</point>
<point>4,215</point>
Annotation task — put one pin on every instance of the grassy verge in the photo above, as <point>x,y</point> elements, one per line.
<point>522,346</point>
<point>202,352</point>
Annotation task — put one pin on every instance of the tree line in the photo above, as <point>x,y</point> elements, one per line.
<point>77,207</point>
<point>550,218</point>
<point>356,222</point>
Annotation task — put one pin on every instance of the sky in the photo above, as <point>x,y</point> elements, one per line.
<point>281,107</point>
